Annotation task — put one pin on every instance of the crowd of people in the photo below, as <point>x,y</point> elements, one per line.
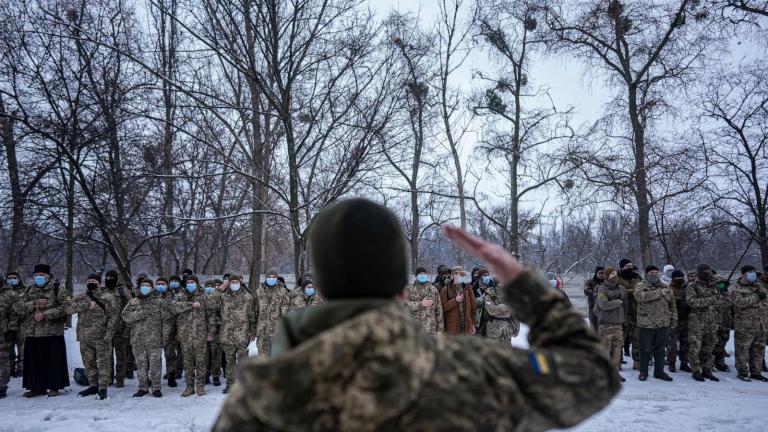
<point>669,315</point>
<point>201,328</point>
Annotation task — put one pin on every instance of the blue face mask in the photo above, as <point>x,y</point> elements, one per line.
<point>486,280</point>
<point>553,283</point>
<point>751,276</point>
<point>40,281</point>
<point>309,291</point>
<point>422,278</point>
<point>13,282</point>
<point>191,287</point>
<point>161,288</point>
<point>210,290</point>
<point>145,290</point>
<point>234,287</point>
<point>175,285</point>
<point>271,281</point>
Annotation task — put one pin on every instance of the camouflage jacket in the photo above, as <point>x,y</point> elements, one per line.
<point>238,319</point>
<point>168,318</point>
<point>704,300</point>
<point>680,304</point>
<point>365,365</point>
<point>193,325</point>
<point>300,300</point>
<point>271,305</point>
<point>122,296</point>
<point>95,324</point>
<point>213,312</point>
<point>611,302</point>
<point>431,318</point>
<point>590,291</point>
<point>144,316</point>
<point>751,313</point>
<point>631,307</point>
<point>653,310</point>
<point>54,313</point>
<point>495,306</point>
<point>8,318</point>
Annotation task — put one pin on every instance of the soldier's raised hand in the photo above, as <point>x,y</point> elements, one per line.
<point>503,265</point>
<point>42,302</point>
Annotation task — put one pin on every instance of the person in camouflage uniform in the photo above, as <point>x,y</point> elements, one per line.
<point>14,282</point>
<point>678,335</point>
<point>610,299</point>
<point>144,315</point>
<point>656,313</point>
<point>306,295</point>
<point>9,327</point>
<point>195,328</point>
<point>423,301</point>
<point>750,301</point>
<point>174,358</point>
<point>360,362</point>
<point>238,326</point>
<point>590,292</point>
<point>629,279</point>
<point>496,319</point>
<point>272,302</point>
<point>122,337</point>
<point>726,324</point>
<point>97,314</point>
<point>214,350</point>
<point>42,310</point>
<point>703,299</point>
<point>167,296</point>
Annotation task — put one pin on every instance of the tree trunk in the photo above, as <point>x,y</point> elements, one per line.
<point>17,197</point>
<point>641,181</point>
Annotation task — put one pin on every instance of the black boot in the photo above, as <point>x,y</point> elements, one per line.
<point>157,393</point>
<point>758,377</point>
<point>226,389</point>
<point>140,393</point>
<point>645,357</point>
<point>745,378</point>
<point>102,394</point>
<point>172,381</point>
<point>765,369</point>
<point>722,367</point>
<point>685,367</point>
<point>3,393</point>
<point>90,391</point>
<point>129,375</point>
<point>216,381</point>
<point>672,368</point>
<point>707,373</point>
<point>697,376</point>
<point>658,367</point>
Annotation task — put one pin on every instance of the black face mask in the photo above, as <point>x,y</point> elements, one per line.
<point>92,286</point>
<point>111,283</point>
<point>627,272</point>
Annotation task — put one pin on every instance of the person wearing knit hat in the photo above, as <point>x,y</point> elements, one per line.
<point>237,318</point>
<point>629,279</point>
<point>495,318</point>
<point>306,295</point>
<point>42,310</point>
<point>677,338</point>
<point>656,313</point>
<point>273,300</point>
<point>590,291</point>
<point>213,347</point>
<point>361,362</point>
<point>144,315</point>
<point>195,327</point>
<point>703,321</point>
<point>750,301</point>
<point>610,303</point>
<point>458,302</point>
<point>171,345</point>
<point>441,269</point>
<point>423,302</point>
<point>9,340</point>
<point>97,314</point>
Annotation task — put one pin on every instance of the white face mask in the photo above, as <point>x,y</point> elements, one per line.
<point>234,286</point>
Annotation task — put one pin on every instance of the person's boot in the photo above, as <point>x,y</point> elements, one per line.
<point>697,376</point>
<point>90,391</point>
<point>707,373</point>
<point>722,367</point>
<point>129,375</point>
<point>3,393</point>
<point>178,375</point>
<point>216,381</point>
<point>207,379</point>
<point>635,365</point>
<point>744,378</point>
<point>200,390</point>
<point>157,393</point>
<point>32,393</point>
<point>226,388</point>
<point>672,368</point>
<point>140,393</point>
<point>53,393</point>
<point>102,394</point>
<point>759,377</point>
<point>644,360</point>
<point>658,367</point>
<point>189,391</point>
<point>172,381</point>
<point>765,369</point>
<point>685,367</point>
<point>119,383</point>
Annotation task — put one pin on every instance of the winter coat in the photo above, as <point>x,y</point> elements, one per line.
<point>590,291</point>
<point>703,299</point>
<point>751,313</point>
<point>99,323</point>
<point>54,313</point>
<point>237,318</point>
<point>272,303</point>
<point>653,310</point>
<point>300,300</point>
<point>430,318</point>
<point>193,326</point>
<point>144,316</point>
<point>9,321</point>
<point>458,317</point>
<point>631,306</point>
<point>610,303</point>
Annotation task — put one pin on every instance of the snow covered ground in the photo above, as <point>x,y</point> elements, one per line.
<point>681,406</point>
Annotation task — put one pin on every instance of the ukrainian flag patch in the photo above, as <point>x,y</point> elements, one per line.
<point>539,363</point>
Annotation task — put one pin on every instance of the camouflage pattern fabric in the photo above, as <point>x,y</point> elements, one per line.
<point>54,311</point>
<point>653,309</point>
<point>193,326</point>
<point>238,318</point>
<point>149,365</point>
<point>751,323</point>
<point>612,337</point>
<point>5,366</point>
<point>122,338</point>
<point>171,346</point>
<point>97,360</point>
<point>430,318</point>
<point>233,354</point>
<point>703,323</point>
<point>300,300</point>
<point>724,330</point>
<point>501,324</point>
<point>631,332</point>
<point>376,370</point>
<point>144,316</point>
<point>677,343</point>
<point>590,291</point>
<point>95,330</point>
<point>271,304</point>
<point>8,322</point>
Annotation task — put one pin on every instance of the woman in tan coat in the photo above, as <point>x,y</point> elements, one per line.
<point>458,302</point>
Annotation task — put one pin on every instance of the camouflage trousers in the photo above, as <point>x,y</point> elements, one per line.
<point>97,361</point>
<point>213,365</point>
<point>233,355</point>
<point>631,337</point>
<point>750,351</point>
<point>593,320</point>
<point>120,346</point>
<point>174,360</point>
<point>5,365</point>
<point>723,334</point>
<point>194,362</point>
<point>612,336</point>
<point>18,355</point>
<point>502,330</point>
<point>264,345</point>
<point>677,343</point>
<point>702,338</point>
<point>149,366</point>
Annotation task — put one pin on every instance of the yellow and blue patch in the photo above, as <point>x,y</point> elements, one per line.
<point>539,363</point>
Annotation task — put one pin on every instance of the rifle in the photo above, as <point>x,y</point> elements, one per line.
<point>740,258</point>
<point>97,301</point>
